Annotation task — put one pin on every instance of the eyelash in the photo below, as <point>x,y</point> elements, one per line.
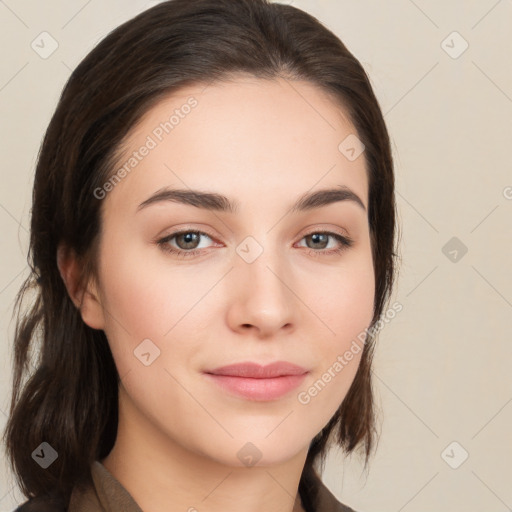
<point>345,243</point>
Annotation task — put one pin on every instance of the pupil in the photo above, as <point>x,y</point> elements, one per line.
<point>316,237</point>
<point>188,237</point>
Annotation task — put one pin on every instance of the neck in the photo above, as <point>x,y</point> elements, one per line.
<point>162,475</point>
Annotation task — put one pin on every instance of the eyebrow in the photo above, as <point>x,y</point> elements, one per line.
<point>218,202</point>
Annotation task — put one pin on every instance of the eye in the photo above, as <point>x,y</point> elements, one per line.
<point>321,238</point>
<point>188,242</point>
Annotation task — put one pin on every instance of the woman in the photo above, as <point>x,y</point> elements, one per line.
<point>212,245</point>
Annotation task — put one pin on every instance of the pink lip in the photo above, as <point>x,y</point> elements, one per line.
<point>256,382</point>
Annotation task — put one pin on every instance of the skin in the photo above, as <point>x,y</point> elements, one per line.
<point>263,143</point>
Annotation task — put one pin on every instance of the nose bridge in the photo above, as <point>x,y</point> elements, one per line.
<point>262,284</point>
<point>262,261</point>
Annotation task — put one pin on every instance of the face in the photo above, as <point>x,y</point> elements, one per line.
<point>264,282</point>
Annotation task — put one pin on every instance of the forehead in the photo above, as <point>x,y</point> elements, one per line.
<point>245,138</point>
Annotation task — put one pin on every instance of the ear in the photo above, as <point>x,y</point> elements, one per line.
<point>86,300</point>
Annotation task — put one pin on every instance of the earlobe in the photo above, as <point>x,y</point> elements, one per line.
<point>86,300</point>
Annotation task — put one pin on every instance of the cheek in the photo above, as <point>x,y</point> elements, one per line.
<point>148,298</point>
<point>139,302</point>
<point>342,300</point>
<point>142,292</point>
<point>343,303</point>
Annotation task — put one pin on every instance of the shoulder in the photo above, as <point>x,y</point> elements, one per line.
<point>42,504</point>
<point>317,497</point>
<point>327,502</point>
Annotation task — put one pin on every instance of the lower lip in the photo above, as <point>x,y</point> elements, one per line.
<point>258,389</point>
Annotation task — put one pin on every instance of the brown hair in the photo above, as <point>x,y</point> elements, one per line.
<point>70,399</point>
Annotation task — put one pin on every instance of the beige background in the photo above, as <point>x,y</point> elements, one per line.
<point>442,371</point>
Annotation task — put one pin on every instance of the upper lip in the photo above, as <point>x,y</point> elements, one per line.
<point>257,371</point>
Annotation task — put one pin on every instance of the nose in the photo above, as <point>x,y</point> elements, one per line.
<point>262,299</point>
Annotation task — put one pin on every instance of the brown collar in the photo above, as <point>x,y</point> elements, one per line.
<point>108,495</point>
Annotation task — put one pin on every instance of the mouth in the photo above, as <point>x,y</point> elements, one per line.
<point>256,382</point>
